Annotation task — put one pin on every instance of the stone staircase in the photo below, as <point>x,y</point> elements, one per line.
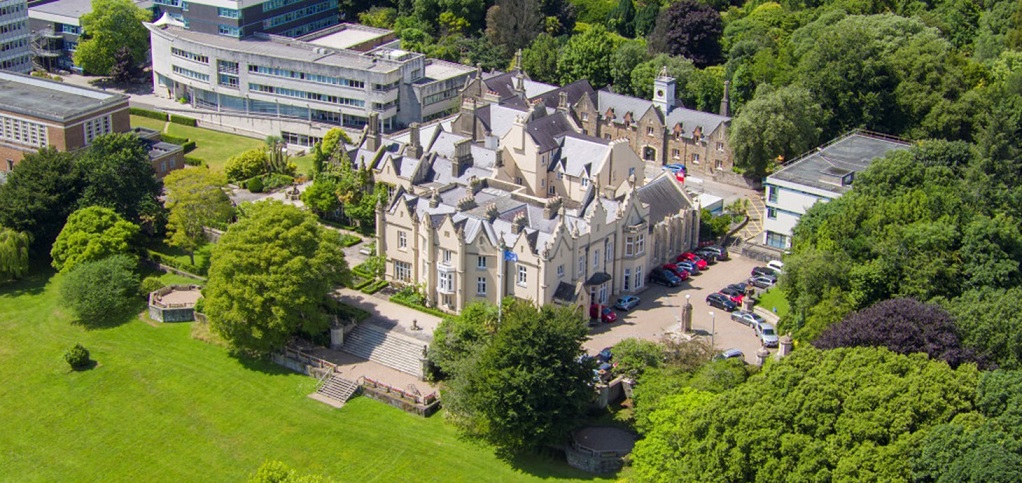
<point>335,391</point>
<point>385,347</point>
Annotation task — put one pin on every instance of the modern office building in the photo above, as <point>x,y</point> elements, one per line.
<point>334,77</point>
<point>820,176</point>
<point>56,28</point>
<point>15,37</point>
<point>241,18</point>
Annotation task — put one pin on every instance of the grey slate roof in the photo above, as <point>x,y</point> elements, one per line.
<point>663,197</point>
<point>575,91</point>
<point>688,118</point>
<point>852,153</point>
<point>545,130</point>
<point>54,101</point>
<point>565,292</point>
<point>503,85</point>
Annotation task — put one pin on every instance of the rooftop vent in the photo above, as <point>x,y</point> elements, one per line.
<point>837,176</point>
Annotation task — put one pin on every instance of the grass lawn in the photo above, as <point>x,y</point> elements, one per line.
<point>774,298</point>
<point>214,147</point>
<point>161,406</point>
<point>303,163</point>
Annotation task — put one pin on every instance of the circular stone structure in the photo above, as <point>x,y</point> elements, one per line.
<point>175,303</point>
<point>599,449</point>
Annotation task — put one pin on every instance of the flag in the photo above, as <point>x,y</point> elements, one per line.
<point>510,256</point>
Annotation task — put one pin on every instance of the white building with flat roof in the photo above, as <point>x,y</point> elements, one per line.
<point>15,37</point>
<point>822,175</point>
<point>334,77</point>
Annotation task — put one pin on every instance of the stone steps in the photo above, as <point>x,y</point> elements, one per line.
<point>385,347</point>
<point>335,391</point>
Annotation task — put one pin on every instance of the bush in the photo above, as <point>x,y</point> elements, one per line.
<point>364,271</point>
<point>101,291</point>
<point>147,113</point>
<point>151,284</point>
<point>374,287</point>
<point>246,165</point>
<point>199,306</point>
<point>170,138</point>
<point>182,120</point>
<point>349,240</point>
<point>188,146</point>
<point>411,298</point>
<point>77,357</point>
<point>276,180</point>
<point>255,185</point>
<point>193,161</point>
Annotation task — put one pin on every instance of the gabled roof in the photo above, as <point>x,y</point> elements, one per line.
<point>665,198</point>
<point>503,85</point>
<point>691,119</point>
<point>575,91</point>
<point>546,130</point>
<point>622,104</point>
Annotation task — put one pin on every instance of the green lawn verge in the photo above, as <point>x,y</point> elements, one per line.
<point>214,147</point>
<point>161,406</point>
<point>774,298</point>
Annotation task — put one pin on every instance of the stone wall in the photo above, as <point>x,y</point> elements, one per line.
<point>593,461</point>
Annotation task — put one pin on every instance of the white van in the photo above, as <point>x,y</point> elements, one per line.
<point>776,265</point>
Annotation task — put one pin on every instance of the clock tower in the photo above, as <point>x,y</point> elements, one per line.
<point>663,92</point>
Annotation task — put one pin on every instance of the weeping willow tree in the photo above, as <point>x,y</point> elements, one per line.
<point>13,253</point>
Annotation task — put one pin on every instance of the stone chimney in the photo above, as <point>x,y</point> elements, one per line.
<point>562,101</point>
<point>538,110</point>
<point>552,207</point>
<point>372,140</point>
<point>462,157</point>
<point>519,224</point>
<point>491,212</point>
<point>414,144</point>
<point>725,102</point>
<point>498,158</point>
<point>475,184</point>
<point>434,200</point>
<point>519,86</point>
<point>467,203</point>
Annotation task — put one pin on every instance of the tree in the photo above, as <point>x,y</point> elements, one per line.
<point>623,61</point>
<point>92,234</point>
<point>321,197</point>
<point>905,326</point>
<point>13,253</point>
<point>458,337</point>
<point>77,357</point>
<point>540,58</point>
<point>124,69</point>
<point>776,125</point>
<point>248,164</point>
<point>513,24</point>
<point>645,18</point>
<point>622,18</point>
<point>118,174</point>
<point>642,77</point>
<point>333,140</point>
<point>843,414</point>
<point>524,387</point>
<point>380,17</point>
<point>110,25</point>
<point>689,29</point>
<point>268,276</point>
<point>39,194</point>
<point>103,291</point>
<point>635,356</point>
<point>990,320</point>
<point>587,56</point>
<point>196,200</point>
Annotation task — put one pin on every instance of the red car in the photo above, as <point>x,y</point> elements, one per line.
<point>735,295</point>
<point>607,316</point>
<point>692,257</point>
<point>680,272</point>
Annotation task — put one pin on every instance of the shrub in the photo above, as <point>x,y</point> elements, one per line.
<point>255,185</point>
<point>147,113</point>
<point>193,161</point>
<point>348,240</point>
<point>188,146</point>
<point>77,357</point>
<point>375,287</point>
<point>246,165</point>
<point>172,139</point>
<point>101,291</point>
<point>276,180</point>
<point>200,305</point>
<point>364,271</point>
<point>151,284</point>
<point>184,121</point>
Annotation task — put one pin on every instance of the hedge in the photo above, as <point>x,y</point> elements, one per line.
<point>374,287</point>
<point>147,113</point>
<point>172,139</point>
<point>193,161</point>
<point>188,146</point>
<point>185,121</point>
<point>360,285</point>
<point>362,271</point>
<point>400,301</point>
<point>349,240</point>
<point>201,270</point>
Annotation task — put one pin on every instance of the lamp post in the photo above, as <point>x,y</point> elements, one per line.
<point>713,331</point>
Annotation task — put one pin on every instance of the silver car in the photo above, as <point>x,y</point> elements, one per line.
<point>767,334</point>
<point>748,318</point>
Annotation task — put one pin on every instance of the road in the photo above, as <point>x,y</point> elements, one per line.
<point>660,311</point>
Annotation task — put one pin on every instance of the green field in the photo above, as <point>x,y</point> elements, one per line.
<point>214,147</point>
<point>161,406</point>
<point>774,298</point>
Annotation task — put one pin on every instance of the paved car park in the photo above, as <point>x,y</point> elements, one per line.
<point>660,311</point>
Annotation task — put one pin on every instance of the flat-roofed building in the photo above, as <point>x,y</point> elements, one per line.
<point>15,37</point>
<point>241,18</point>
<point>56,28</point>
<point>35,113</point>
<point>335,77</point>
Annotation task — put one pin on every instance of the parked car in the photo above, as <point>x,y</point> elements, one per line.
<point>776,265</point>
<point>627,302</point>
<point>709,255</point>
<point>689,267</point>
<point>605,314</point>
<point>764,272</point>
<point>722,253</point>
<point>736,296</point>
<point>674,168</point>
<point>766,333</point>
<point>740,286</point>
<point>664,277</point>
<point>729,354</point>
<point>721,301</point>
<point>747,317</point>
<point>694,259</point>
<point>678,271</point>
<point>762,281</point>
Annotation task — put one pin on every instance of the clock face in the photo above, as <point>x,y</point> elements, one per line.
<point>660,93</point>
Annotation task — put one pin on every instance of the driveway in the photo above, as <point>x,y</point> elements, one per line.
<point>660,312</point>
